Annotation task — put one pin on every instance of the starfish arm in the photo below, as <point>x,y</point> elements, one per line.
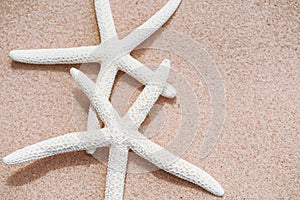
<point>116,172</point>
<point>105,81</point>
<point>105,20</point>
<point>145,101</point>
<point>142,73</point>
<point>92,124</point>
<point>144,31</point>
<point>56,56</point>
<point>66,143</point>
<point>173,164</point>
<point>103,107</point>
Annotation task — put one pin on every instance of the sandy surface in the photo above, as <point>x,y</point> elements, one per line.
<point>253,44</point>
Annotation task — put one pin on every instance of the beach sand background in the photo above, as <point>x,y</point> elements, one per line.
<point>253,44</point>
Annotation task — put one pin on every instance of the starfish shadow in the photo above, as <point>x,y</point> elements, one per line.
<point>41,167</point>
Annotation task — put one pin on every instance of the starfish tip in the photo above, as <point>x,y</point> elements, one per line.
<point>13,55</point>
<point>169,91</point>
<point>74,71</point>
<point>166,63</point>
<point>221,192</point>
<point>7,160</point>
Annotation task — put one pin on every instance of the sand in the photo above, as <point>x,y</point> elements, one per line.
<point>253,44</point>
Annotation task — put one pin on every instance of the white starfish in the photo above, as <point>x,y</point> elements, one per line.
<point>121,134</point>
<point>112,53</point>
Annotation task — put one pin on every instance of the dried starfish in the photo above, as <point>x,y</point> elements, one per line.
<point>121,134</point>
<point>112,53</point>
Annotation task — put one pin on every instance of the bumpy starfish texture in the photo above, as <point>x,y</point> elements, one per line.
<point>111,51</point>
<point>122,134</point>
<point>113,54</point>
